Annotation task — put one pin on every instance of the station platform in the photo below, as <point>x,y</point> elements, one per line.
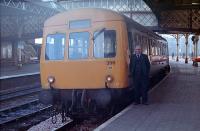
<point>174,105</point>
<point>25,70</point>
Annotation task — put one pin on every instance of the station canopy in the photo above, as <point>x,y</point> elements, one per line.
<point>176,16</point>
<point>24,19</point>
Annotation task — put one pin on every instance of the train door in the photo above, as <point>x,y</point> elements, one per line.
<point>130,42</point>
<point>144,45</point>
<point>150,49</point>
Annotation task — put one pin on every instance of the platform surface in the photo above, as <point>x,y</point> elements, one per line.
<point>174,105</point>
<point>13,71</point>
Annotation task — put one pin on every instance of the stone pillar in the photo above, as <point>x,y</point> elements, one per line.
<point>186,48</point>
<point>195,40</point>
<point>14,52</point>
<point>177,47</point>
<point>20,29</point>
<point>196,43</point>
<point>196,48</point>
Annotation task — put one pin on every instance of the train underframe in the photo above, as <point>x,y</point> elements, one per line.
<point>75,102</point>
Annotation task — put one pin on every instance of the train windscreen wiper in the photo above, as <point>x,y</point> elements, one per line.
<point>99,32</point>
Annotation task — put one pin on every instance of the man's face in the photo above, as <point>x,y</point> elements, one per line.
<point>138,50</point>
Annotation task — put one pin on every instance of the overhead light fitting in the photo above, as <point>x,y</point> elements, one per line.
<point>195,3</point>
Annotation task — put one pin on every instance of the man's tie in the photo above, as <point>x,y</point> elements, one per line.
<point>138,56</point>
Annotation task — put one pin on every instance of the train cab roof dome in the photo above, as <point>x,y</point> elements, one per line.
<point>95,14</point>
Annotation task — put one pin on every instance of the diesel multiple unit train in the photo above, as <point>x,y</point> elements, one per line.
<point>86,53</point>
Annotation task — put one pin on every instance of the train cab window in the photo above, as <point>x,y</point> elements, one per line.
<point>78,45</point>
<point>77,24</point>
<point>105,44</point>
<point>55,44</point>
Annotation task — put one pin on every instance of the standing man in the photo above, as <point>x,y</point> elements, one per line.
<point>140,68</point>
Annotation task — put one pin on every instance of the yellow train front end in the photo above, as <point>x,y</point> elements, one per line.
<point>84,57</point>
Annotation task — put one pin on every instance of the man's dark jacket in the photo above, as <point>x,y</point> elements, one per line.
<point>145,65</point>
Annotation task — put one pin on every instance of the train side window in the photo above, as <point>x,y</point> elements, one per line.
<point>144,45</point>
<point>153,49</point>
<point>162,49</point>
<point>159,49</point>
<point>149,47</point>
<point>105,44</point>
<point>55,44</point>
<point>78,45</point>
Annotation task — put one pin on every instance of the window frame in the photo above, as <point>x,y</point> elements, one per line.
<point>65,45</point>
<point>88,49</point>
<point>107,29</point>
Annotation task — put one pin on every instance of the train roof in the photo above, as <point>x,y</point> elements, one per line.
<point>96,14</point>
<point>142,28</point>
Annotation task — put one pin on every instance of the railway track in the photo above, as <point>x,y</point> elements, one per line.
<point>19,104</point>
<point>47,125</point>
<point>21,111</point>
<point>19,91</point>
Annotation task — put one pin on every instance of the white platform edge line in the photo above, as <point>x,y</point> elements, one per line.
<point>63,124</point>
<point>14,76</point>
<point>99,128</point>
<point>157,85</point>
<point>113,118</point>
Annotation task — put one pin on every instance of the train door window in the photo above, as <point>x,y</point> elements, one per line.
<point>55,44</point>
<point>105,44</point>
<point>78,45</point>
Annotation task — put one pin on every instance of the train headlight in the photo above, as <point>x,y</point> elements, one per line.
<point>109,78</point>
<point>51,79</point>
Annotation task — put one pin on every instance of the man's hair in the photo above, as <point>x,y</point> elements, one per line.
<point>138,46</point>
